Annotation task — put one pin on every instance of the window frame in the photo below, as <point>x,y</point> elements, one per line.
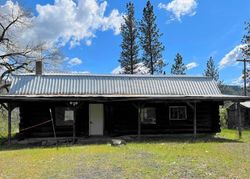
<point>60,122</point>
<point>177,119</point>
<point>143,121</point>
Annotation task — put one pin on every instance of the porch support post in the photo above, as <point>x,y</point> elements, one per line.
<point>53,125</point>
<point>9,124</point>
<point>195,120</point>
<point>74,127</point>
<point>139,121</point>
<point>239,120</point>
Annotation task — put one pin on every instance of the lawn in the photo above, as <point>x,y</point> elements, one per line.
<point>222,157</point>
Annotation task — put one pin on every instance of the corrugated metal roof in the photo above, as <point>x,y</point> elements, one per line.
<point>112,85</point>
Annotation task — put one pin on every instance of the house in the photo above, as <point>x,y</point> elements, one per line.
<point>232,117</point>
<point>77,105</point>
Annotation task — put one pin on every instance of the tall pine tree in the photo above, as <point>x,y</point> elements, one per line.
<point>246,41</point>
<point>211,70</point>
<point>246,55</point>
<point>149,39</point>
<point>178,68</point>
<point>129,55</point>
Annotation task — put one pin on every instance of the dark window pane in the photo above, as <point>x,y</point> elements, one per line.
<point>148,116</point>
<point>64,116</point>
<point>177,113</point>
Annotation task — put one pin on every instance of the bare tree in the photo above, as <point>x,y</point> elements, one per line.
<point>17,55</point>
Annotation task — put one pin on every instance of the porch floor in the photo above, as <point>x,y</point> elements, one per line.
<point>51,141</point>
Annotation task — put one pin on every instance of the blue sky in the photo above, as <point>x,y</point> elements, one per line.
<point>197,29</point>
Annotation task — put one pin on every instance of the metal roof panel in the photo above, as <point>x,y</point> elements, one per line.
<point>88,84</point>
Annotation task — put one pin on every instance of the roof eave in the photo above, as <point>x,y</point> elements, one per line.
<point>7,98</point>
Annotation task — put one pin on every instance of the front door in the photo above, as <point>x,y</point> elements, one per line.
<point>96,119</point>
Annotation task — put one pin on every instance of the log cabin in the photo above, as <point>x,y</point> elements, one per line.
<point>232,117</point>
<point>77,105</point>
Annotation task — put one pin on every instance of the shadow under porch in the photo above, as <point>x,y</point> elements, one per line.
<point>37,119</point>
<point>123,118</point>
<point>119,118</point>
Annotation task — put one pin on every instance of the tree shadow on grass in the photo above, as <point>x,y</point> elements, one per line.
<point>152,139</point>
<point>183,139</point>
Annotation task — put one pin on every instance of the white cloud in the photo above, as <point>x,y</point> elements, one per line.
<point>230,58</point>
<point>117,70</point>
<point>88,42</point>
<point>238,81</point>
<point>179,8</point>
<point>140,69</point>
<point>113,22</point>
<point>80,72</point>
<point>74,61</point>
<point>192,65</point>
<point>70,21</point>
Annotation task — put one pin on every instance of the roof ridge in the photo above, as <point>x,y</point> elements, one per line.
<point>112,75</point>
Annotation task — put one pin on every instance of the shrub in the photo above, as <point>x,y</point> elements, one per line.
<point>223,116</point>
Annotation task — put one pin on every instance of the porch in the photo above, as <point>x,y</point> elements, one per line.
<point>114,118</point>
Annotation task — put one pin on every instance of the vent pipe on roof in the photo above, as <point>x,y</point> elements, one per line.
<point>39,67</point>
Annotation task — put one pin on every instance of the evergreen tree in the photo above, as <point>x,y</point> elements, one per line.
<point>211,70</point>
<point>246,41</point>
<point>149,38</point>
<point>129,55</point>
<point>246,54</point>
<point>178,68</point>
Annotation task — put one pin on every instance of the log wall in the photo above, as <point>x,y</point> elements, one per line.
<point>119,118</point>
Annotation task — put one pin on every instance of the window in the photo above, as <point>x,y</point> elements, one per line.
<point>177,113</point>
<point>64,116</point>
<point>148,116</point>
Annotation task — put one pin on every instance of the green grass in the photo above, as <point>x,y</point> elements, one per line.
<point>222,157</point>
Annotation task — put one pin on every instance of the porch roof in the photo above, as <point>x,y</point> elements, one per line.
<point>106,98</point>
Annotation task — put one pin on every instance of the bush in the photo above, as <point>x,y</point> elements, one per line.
<point>223,116</point>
